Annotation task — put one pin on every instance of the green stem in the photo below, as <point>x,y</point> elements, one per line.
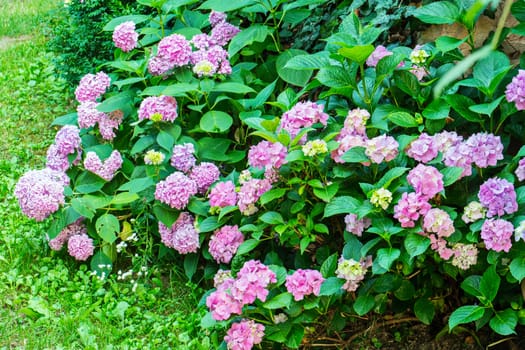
<point>501,23</point>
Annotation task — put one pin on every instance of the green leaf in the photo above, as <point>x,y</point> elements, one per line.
<point>461,105</point>
<point>82,208</point>
<point>165,214</point>
<point>341,205</point>
<point>438,12</point>
<point>142,143</point>
<point>390,176</point>
<point>451,175</point>
<point>363,304</point>
<point>309,61</point>
<point>489,283</point>
<point>331,286</point>
<point>137,185</point>
<point>208,321</point>
<point>487,108</point>
<point>209,224</point>
<point>88,183</point>
<point>110,26</point>
<point>101,264</point>
<point>295,337</point>
<point>216,121</point>
<point>108,227</point>
<point>282,300</point>
<point>272,218</point>
<point>358,54</point>
<point>254,33</point>
<point>355,155</point>
<point>327,192</point>
<point>403,119</point>
<point>120,101</point>
<point>406,291</point>
<point>387,65</point>
<point>269,196</point>
<point>120,83</point>
<point>191,261</point>
<point>386,257</point>
<point>424,310</point>
<point>236,88</point>
<point>247,246</point>
<point>437,110</point>
<point>407,82</point>
<point>180,89</point>
<point>471,285</point>
<point>329,266</point>
<point>448,43</point>
<point>124,198</point>
<point>289,75</point>
<point>227,210</point>
<point>337,77</point>
<point>225,6</point>
<point>504,322</point>
<point>416,244</point>
<point>517,268</point>
<point>465,314</point>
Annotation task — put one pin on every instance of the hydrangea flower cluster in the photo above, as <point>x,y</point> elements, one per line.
<point>210,59</point>
<point>497,233</point>
<point>76,228</point>
<point>303,115</point>
<point>244,335</point>
<point>106,169</point>
<point>80,246</point>
<point>498,196</point>
<point>465,255</point>
<point>41,192</point>
<point>315,147</point>
<point>108,123</point>
<point>251,283</point>
<point>182,235</point>
<point>381,198</point>
<point>267,155</point>
<point>472,212</point>
<point>204,175</point>
<point>157,108</point>
<point>519,233</point>
<point>92,86</point>
<point>173,51</point>
<point>250,192</point>
<point>520,170</point>
<point>379,52</point>
<point>438,221</point>
<point>355,123</point>
<point>426,180</point>
<point>345,144</point>
<point>355,225</point>
<point>223,194</point>
<point>176,190</point>
<point>125,37</point>
<point>153,157</point>
<point>304,282</point>
<point>409,208</point>
<point>423,149</point>
<point>183,158</point>
<point>515,91</point>
<point>67,141</point>
<point>419,56</point>
<point>446,139</point>
<point>352,271</point>
<point>89,116</point>
<point>224,243</point>
<point>381,149</point>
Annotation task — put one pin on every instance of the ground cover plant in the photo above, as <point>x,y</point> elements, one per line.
<point>302,191</point>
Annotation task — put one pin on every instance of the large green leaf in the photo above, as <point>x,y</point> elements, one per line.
<point>358,54</point>
<point>424,310</point>
<point>504,322</point>
<point>216,121</point>
<point>107,227</point>
<point>225,6</point>
<point>254,33</point>
<point>465,314</point>
<point>289,75</point>
<point>438,12</point>
<point>341,205</point>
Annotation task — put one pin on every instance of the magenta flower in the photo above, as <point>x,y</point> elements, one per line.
<point>303,115</point>
<point>183,158</point>
<point>382,148</point>
<point>106,169</point>
<point>439,244</point>
<point>204,175</point>
<point>249,193</point>
<point>158,108</point>
<point>409,208</point>
<point>182,236</point>
<point>176,190</point>
<point>80,246</point>
<point>515,91</point>
<point>355,225</point>
<point>55,160</point>
<point>267,155</point>
<point>497,233</point>
<point>252,282</point>
<point>304,282</point>
<point>216,17</point>
<point>446,139</point>
<point>426,180</point>
<point>125,37</point>
<point>459,155</point>
<point>485,149</point>
<point>223,32</point>
<point>76,228</point>
<point>173,51</point>
<point>224,243</point>
<point>498,196</point>
<point>355,123</point>
<point>379,52</point>
<point>244,335</point>
<point>68,139</point>
<point>41,192</point>
<point>221,302</point>
<point>520,170</point>
<point>223,194</point>
<point>210,61</point>
<point>108,123</point>
<point>88,114</point>
<point>423,149</point>
<point>345,144</point>
<point>92,86</point>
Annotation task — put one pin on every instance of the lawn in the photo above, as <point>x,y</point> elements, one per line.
<point>47,300</point>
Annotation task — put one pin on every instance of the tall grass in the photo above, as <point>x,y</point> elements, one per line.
<point>20,17</point>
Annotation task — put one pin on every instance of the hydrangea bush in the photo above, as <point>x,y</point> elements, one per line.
<point>342,188</point>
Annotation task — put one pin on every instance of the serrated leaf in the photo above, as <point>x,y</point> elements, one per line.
<point>416,244</point>
<point>165,140</point>
<point>451,175</point>
<point>292,76</point>
<point>272,218</point>
<point>108,227</point>
<point>438,12</point>
<point>341,205</point>
<point>137,185</point>
<point>424,310</point>
<point>326,193</point>
<point>331,286</point>
<point>329,266</point>
<point>271,195</point>
<point>489,284</point>
<point>504,322</point>
<point>309,61</point>
<point>358,54</point>
<point>247,246</point>
<point>282,300</point>
<point>216,122</point>
<point>386,257</point>
<point>124,198</point>
<point>465,314</point>
<point>254,33</point>
<point>363,304</point>
<point>209,224</point>
<point>517,268</point>
<point>403,119</point>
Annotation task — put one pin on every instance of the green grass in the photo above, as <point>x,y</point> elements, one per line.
<point>47,300</point>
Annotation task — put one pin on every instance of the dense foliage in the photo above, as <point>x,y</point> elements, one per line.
<point>301,189</point>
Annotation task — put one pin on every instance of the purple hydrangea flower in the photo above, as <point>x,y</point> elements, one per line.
<point>423,149</point>
<point>498,196</point>
<point>80,247</point>
<point>379,52</point>
<point>108,123</point>
<point>204,175</point>
<point>515,91</point>
<point>223,32</point>
<point>249,193</point>
<point>303,115</point>
<point>223,194</point>
<point>497,233</point>
<point>182,236</point>
<point>382,148</point>
<point>459,156</point>
<point>520,170</point>
<point>304,282</point>
<point>125,37</point>
<point>176,190</point>
<point>158,108</point>
<point>355,225</point>
<point>76,228</point>
<point>41,192</point>
<point>68,139</point>
<point>438,221</point>
<point>446,139</point>
<point>182,158</point>
<point>106,169</point>
<point>224,243</point>
<point>56,160</point>
<point>173,51</point>
<point>485,149</point>
<point>88,115</point>
<point>426,180</point>
<point>266,155</point>
<point>244,335</point>
<point>409,208</point>
<point>355,123</point>
<point>210,61</point>
<point>92,86</point>
<point>216,17</point>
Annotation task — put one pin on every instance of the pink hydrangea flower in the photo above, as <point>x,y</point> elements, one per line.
<point>125,37</point>
<point>446,139</point>
<point>474,211</point>
<point>498,196</point>
<point>176,190</point>
<point>497,233</point>
<point>409,208</point>
<point>223,32</point>
<point>68,140</point>
<point>355,225</point>
<point>249,193</point>
<point>108,123</point>
<point>158,108</point>
<point>345,144</point>
<point>106,169</point>
<point>459,156</point>
<point>56,160</point>
<point>252,282</point>
<point>379,52</point>
<point>210,61</point>
<point>244,335</point>
<point>201,41</point>
<point>382,148</point>
<point>223,194</point>
<point>465,255</point>
<point>221,302</point>
<point>439,244</point>
<point>183,158</point>
<point>80,247</point>
<point>355,123</point>
<point>88,115</point>
<point>41,192</point>
<point>438,221</point>
<point>485,149</point>
<point>182,235</point>
<point>266,155</point>
<point>304,282</point>
<point>76,228</point>
<point>173,51</point>
<point>224,243</point>
<point>216,17</point>
<point>423,149</point>
<point>204,175</point>
<point>520,170</point>
<point>515,91</point>
<point>303,115</point>
<point>92,86</point>
<point>352,271</point>
<point>426,180</point>
<point>419,72</point>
